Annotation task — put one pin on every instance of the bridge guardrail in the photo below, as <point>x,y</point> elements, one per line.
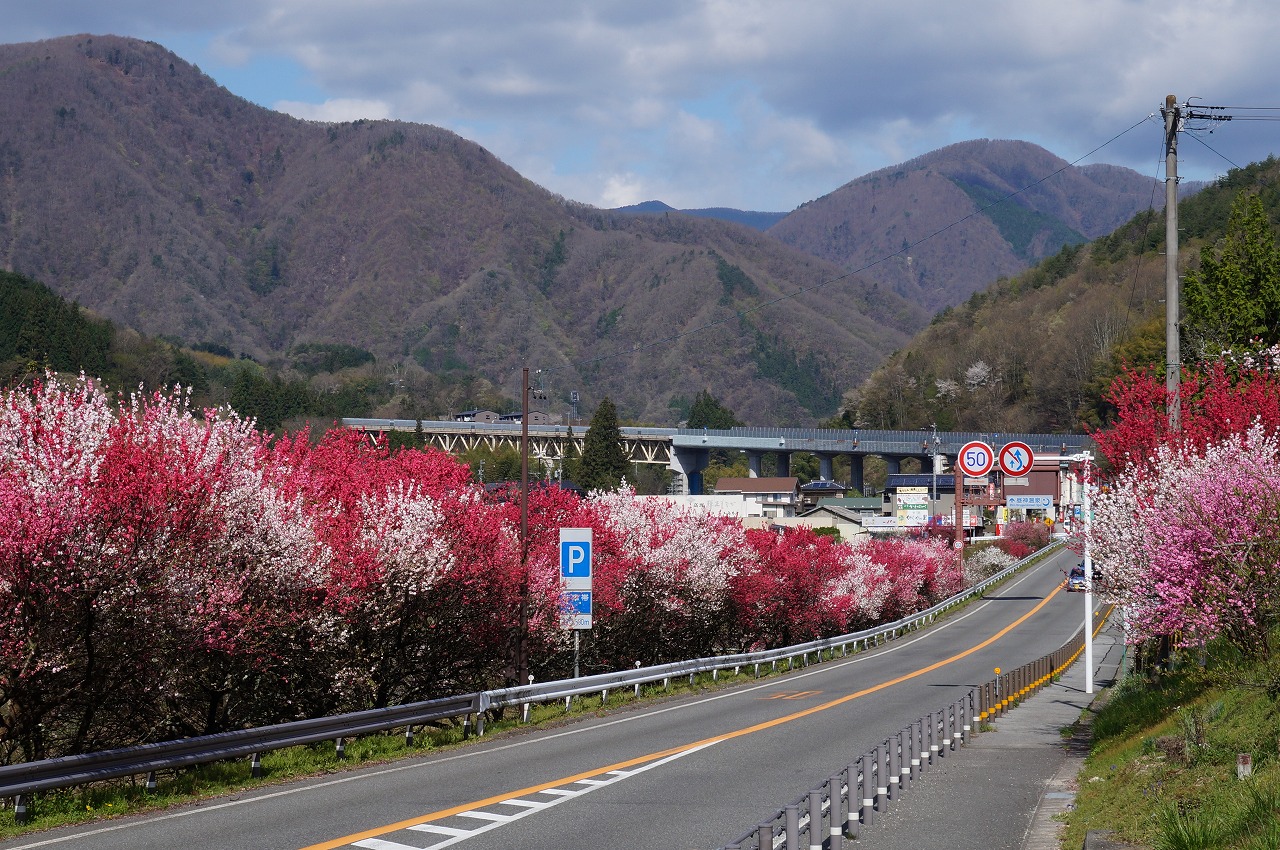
<point>20,781</point>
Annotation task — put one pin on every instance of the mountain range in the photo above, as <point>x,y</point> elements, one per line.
<point>135,185</point>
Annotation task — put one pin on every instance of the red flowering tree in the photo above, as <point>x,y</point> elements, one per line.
<point>421,573</point>
<point>919,573</point>
<point>1217,400</point>
<point>793,589</point>
<point>661,579</point>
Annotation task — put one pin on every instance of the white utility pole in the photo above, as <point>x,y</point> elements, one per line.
<point>1088,577</point>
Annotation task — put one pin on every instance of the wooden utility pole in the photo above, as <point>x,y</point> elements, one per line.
<point>1172,287</point>
<point>522,625</point>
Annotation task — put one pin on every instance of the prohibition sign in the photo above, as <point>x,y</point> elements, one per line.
<point>1016,459</point>
<point>975,459</point>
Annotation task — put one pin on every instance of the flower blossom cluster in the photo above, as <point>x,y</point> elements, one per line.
<point>168,572</point>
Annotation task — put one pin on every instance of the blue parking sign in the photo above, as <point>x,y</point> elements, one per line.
<point>575,558</point>
<point>575,578</point>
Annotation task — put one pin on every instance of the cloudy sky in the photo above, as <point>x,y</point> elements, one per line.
<point>741,103</point>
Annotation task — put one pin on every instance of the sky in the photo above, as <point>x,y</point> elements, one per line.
<point>749,104</point>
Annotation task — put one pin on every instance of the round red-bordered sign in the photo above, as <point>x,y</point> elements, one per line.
<point>1016,459</point>
<point>975,459</point>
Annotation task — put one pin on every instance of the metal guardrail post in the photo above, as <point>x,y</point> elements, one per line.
<point>836,811</point>
<point>20,813</point>
<point>255,767</point>
<point>868,801</point>
<point>764,836</point>
<point>908,738</point>
<point>917,749</point>
<point>895,767</point>
<point>815,820</point>
<point>957,724</point>
<point>793,828</point>
<point>882,784</point>
<point>340,747</point>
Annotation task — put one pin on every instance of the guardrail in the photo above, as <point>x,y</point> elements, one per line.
<point>839,808</point>
<point>21,781</point>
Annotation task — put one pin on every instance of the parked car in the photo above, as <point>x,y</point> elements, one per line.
<point>1076,580</point>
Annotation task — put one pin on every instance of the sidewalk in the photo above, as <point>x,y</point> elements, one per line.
<point>1001,792</point>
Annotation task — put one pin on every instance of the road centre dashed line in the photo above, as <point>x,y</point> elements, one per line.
<point>454,835</point>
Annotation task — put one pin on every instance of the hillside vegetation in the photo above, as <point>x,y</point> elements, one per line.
<point>1036,352</point>
<point>136,186</point>
<point>944,225</point>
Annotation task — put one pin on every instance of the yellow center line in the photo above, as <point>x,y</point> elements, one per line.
<point>716,739</point>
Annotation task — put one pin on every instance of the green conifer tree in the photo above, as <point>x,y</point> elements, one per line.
<point>604,463</point>
<point>1233,299</point>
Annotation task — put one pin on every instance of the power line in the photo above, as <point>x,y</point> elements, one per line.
<point>1208,147</point>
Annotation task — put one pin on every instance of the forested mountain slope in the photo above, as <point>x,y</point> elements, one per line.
<point>1036,352</point>
<point>944,225</point>
<point>133,184</point>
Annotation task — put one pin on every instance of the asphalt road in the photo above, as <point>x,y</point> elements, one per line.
<point>692,772</point>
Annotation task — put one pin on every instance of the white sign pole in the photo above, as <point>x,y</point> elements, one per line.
<point>1088,581</point>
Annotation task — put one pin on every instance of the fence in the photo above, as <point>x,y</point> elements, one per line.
<point>21,781</point>
<point>863,791</point>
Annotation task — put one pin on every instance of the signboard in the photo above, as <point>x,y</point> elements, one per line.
<point>575,578</point>
<point>913,509</point>
<point>881,522</point>
<point>1038,503</point>
<point>1016,459</point>
<point>976,459</point>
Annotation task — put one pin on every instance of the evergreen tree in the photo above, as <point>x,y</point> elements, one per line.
<point>1233,299</point>
<point>708,412</point>
<point>604,463</point>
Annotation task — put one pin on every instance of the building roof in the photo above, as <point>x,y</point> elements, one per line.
<point>757,485</point>
<point>823,487</point>
<point>857,503</point>
<point>840,513</point>
<point>945,481</point>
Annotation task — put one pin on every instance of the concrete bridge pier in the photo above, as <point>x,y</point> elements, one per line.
<point>826,466</point>
<point>690,463</point>
<point>855,474</point>
<point>753,462</point>
<point>784,464</point>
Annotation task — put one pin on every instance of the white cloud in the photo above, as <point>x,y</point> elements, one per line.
<point>335,110</point>
<point>751,103</point>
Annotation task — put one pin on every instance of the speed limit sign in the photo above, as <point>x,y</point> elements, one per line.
<point>976,459</point>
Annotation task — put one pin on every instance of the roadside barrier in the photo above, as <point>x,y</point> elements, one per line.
<point>20,781</point>
<point>838,809</point>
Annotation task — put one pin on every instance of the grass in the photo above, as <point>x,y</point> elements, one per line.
<point>1162,770</point>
